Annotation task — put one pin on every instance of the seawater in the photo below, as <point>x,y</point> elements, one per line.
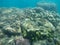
<point>26,3</point>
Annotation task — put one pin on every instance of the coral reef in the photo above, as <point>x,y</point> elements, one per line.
<point>48,6</point>
<point>31,26</point>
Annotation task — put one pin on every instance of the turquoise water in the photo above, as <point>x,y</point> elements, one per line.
<point>26,3</point>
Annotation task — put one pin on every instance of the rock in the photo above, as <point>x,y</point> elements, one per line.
<point>22,41</point>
